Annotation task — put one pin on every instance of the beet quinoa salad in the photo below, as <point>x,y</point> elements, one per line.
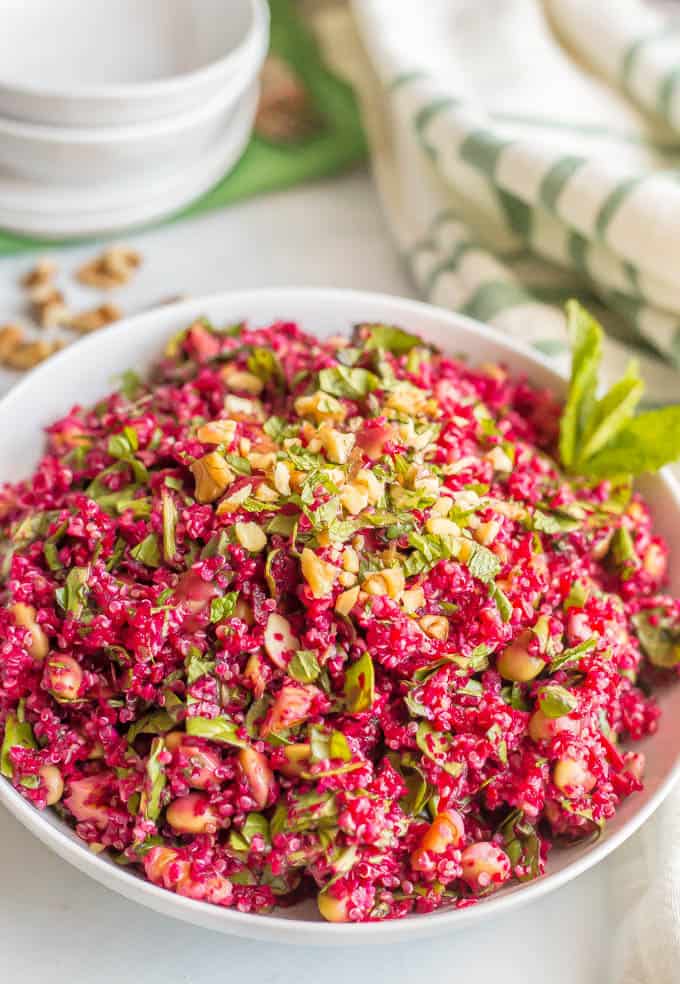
<point>346,619</point>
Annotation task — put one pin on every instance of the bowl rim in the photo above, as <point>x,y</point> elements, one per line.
<point>250,45</point>
<point>269,927</point>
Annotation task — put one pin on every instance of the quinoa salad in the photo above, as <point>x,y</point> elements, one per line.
<point>351,620</point>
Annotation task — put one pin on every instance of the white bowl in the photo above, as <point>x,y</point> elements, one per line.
<point>84,373</point>
<point>95,156</point>
<point>75,212</point>
<point>117,62</point>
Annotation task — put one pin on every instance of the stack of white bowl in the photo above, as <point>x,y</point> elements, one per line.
<point>115,113</point>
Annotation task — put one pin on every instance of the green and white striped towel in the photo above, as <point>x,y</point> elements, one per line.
<point>527,151</point>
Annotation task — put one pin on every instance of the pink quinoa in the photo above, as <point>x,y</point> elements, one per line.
<point>301,618</point>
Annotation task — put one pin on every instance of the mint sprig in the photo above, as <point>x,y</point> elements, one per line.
<point>603,438</point>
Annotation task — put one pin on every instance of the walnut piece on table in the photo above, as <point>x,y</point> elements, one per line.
<point>26,355</point>
<point>87,321</point>
<point>11,335</point>
<point>112,268</point>
<point>49,307</point>
<point>40,275</point>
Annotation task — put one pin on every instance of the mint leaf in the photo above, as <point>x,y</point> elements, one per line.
<point>544,523</point>
<point>253,825</point>
<point>659,637</point>
<point>612,412</point>
<point>17,733</point>
<point>197,665</point>
<point>570,657</point>
<point>73,596</point>
<point>359,686</point>
<point>238,463</point>
<point>352,383</point>
<point>155,723</point>
<point>283,524</point>
<point>418,792</point>
<point>338,747</point>
<point>522,845</point>
<point>276,427</point>
<point>169,525</point>
<point>556,701</point>
<point>645,444</point>
<point>341,530</point>
<point>253,505</point>
<point>264,364</point>
<point>319,743</point>
<point>622,547</point>
<point>304,666</point>
<point>224,607</point>
<point>437,746</point>
<point>51,552</point>
<point>147,552</point>
<point>154,782</point>
<point>129,384</point>
<point>552,523</point>
<point>586,336</point>
<point>219,729</point>
<point>429,549</point>
<point>495,737</point>
<point>601,438</point>
<point>503,603</point>
<point>394,340</point>
<point>323,515</point>
<point>577,597</point>
<point>483,564</point>
<point>123,445</point>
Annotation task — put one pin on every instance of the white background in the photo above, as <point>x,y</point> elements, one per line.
<point>56,926</point>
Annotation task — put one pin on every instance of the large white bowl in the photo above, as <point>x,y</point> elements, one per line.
<point>84,373</point>
<point>115,62</point>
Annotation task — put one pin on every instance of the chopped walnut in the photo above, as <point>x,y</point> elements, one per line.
<point>10,336</point>
<point>213,476</point>
<point>29,354</point>
<point>42,293</point>
<point>49,307</point>
<point>113,268</point>
<point>88,321</point>
<point>41,274</point>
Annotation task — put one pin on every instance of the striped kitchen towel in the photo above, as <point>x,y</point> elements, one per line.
<point>527,151</point>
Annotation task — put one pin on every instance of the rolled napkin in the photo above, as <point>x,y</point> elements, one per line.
<point>524,152</point>
<point>645,898</point>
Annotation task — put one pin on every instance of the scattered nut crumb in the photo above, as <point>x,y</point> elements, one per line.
<point>10,336</point>
<point>113,268</point>
<point>42,293</point>
<point>171,299</point>
<point>91,320</point>
<point>41,274</point>
<point>49,308</point>
<point>286,111</point>
<point>28,354</point>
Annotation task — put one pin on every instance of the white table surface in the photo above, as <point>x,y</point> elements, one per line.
<point>56,925</point>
